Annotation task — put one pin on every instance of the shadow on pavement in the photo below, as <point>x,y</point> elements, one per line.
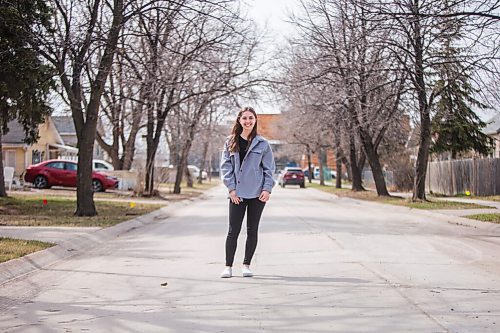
<point>308,279</point>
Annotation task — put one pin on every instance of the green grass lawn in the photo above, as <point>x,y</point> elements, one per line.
<point>372,196</point>
<point>14,248</point>
<point>492,217</point>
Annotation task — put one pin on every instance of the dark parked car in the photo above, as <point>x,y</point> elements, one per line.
<point>63,173</point>
<point>292,176</point>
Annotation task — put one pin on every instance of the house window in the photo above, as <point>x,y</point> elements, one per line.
<point>36,156</point>
<point>9,158</point>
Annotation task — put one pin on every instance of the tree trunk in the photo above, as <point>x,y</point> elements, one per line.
<point>86,130</point>
<point>425,119</point>
<point>152,142</point>
<point>150,167</point>
<point>338,162</point>
<point>189,177</point>
<point>422,159</point>
<point>357,183</point>
<point>84,192</point>
<point>3,192</point>
<point>206,150</point>
<point>338,179</point>
<point>345,161</point>
<point>181,166</point>
<point>374,161</point>
<point>321,158</point>
<point>309,165</point>
<point>191,130</point>
<point>203,161</point>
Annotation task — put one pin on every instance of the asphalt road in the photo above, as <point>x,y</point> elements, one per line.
<point>323,264</point>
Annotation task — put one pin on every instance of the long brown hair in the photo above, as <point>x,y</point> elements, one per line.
<point>238,129</point>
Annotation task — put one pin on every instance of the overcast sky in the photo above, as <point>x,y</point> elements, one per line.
<point>272,13</point>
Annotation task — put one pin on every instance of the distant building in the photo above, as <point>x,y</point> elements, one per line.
<point>269,127</point>
<point>19,155</point>
<point>57,140</point>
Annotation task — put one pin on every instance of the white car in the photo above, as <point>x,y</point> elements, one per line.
<point>195,172</point>
<point>102,166</point>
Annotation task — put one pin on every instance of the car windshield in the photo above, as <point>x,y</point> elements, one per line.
<point>294,170</point>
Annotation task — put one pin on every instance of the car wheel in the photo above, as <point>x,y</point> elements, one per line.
<point>40,182</point>
<point>302,185</point>
<point>97,185</point>
<point>283,185</point>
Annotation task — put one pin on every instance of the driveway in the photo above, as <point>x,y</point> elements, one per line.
<point>323,264</point>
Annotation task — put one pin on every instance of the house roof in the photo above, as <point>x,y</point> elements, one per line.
<point>64,124</point>
<point>493,126</point>
<point>16,133</point>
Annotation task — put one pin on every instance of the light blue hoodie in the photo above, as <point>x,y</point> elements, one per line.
<point>254,175</point>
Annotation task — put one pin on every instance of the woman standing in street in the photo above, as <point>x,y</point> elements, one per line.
<point>247,167</point>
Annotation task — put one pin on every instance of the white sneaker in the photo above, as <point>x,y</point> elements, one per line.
<point>246,271</point>
<point>228,272</point>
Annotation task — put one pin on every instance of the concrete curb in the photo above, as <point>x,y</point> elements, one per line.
<point>17,268</point>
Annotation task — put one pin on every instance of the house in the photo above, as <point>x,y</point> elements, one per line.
<point>493,130</point>
<point>66,128</point>
<point>19,155</point>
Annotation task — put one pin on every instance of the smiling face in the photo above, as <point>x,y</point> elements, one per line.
<point>247,121</point>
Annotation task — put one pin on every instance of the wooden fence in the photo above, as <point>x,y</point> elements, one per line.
<point>478,176</point>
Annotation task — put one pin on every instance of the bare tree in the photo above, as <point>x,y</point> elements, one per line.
<point>122,106</point>
<point>347,59</point>
<point>81,47</point>
<point>416,28</point>
<point>175,43</point>
<point>223,72</point>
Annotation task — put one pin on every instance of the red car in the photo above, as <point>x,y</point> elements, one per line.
<point>63,173</point>
<point>292,176</point>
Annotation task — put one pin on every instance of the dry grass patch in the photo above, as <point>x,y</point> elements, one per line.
<point>14,248</point>
<point>372,196</point>
<point>492,217</point>
<point>31,211</point>
<point>112,207</point>
<point>487,198</point>
<point>437,204</point>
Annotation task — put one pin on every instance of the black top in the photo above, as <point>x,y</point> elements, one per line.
<point>243,148</point>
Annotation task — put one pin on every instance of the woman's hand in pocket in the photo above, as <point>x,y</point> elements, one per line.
<point>234,198</point>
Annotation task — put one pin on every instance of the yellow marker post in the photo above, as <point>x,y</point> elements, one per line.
<point>132,204</point>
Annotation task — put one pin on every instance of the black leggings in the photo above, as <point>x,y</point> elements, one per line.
<point>254,207</point>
